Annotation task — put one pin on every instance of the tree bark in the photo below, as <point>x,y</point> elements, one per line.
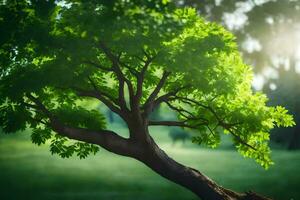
<point>206,189</point>
<point>144,149</point>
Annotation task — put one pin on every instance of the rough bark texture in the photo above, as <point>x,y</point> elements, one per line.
<point>206,189</point>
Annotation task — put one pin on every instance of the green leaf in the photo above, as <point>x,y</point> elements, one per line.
<point>40,135</point>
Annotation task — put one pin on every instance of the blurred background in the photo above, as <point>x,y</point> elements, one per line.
<point>268,35</point>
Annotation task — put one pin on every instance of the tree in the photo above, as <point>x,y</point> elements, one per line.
<point>132,56</point>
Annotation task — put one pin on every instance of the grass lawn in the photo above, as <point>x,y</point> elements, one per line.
<point>31,172</point>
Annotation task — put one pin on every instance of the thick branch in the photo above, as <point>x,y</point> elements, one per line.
<point>104,138</point>
<point>109,140</point>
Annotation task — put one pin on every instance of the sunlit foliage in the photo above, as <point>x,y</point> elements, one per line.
<point>51,54</point>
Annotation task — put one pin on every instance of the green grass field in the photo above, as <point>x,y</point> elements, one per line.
<point>31,172</point>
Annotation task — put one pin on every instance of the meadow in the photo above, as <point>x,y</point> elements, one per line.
<point>30,172</point>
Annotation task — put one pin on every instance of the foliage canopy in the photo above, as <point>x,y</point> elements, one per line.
<point>55,54</point>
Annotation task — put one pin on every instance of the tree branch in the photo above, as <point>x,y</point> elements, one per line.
<point>166,123</point>
<point>99,66</point>
<point>116,68</point>
<point>192,101</point>
<point>228,128</point>
<point>141,76</point>
<point>164,98</point>
<point>102,98</point>
<point>174,123</point>
<point>111,98</point>
<point>39,105</point>
<point>158,87</point>
<point>130,69</point>
<point>29,105</point>
<point>109,140</point>
<point>220,122</point>
<point>181,111</point>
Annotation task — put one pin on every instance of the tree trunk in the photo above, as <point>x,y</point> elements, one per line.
<point>190,178</point>
<point>143,148</point>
